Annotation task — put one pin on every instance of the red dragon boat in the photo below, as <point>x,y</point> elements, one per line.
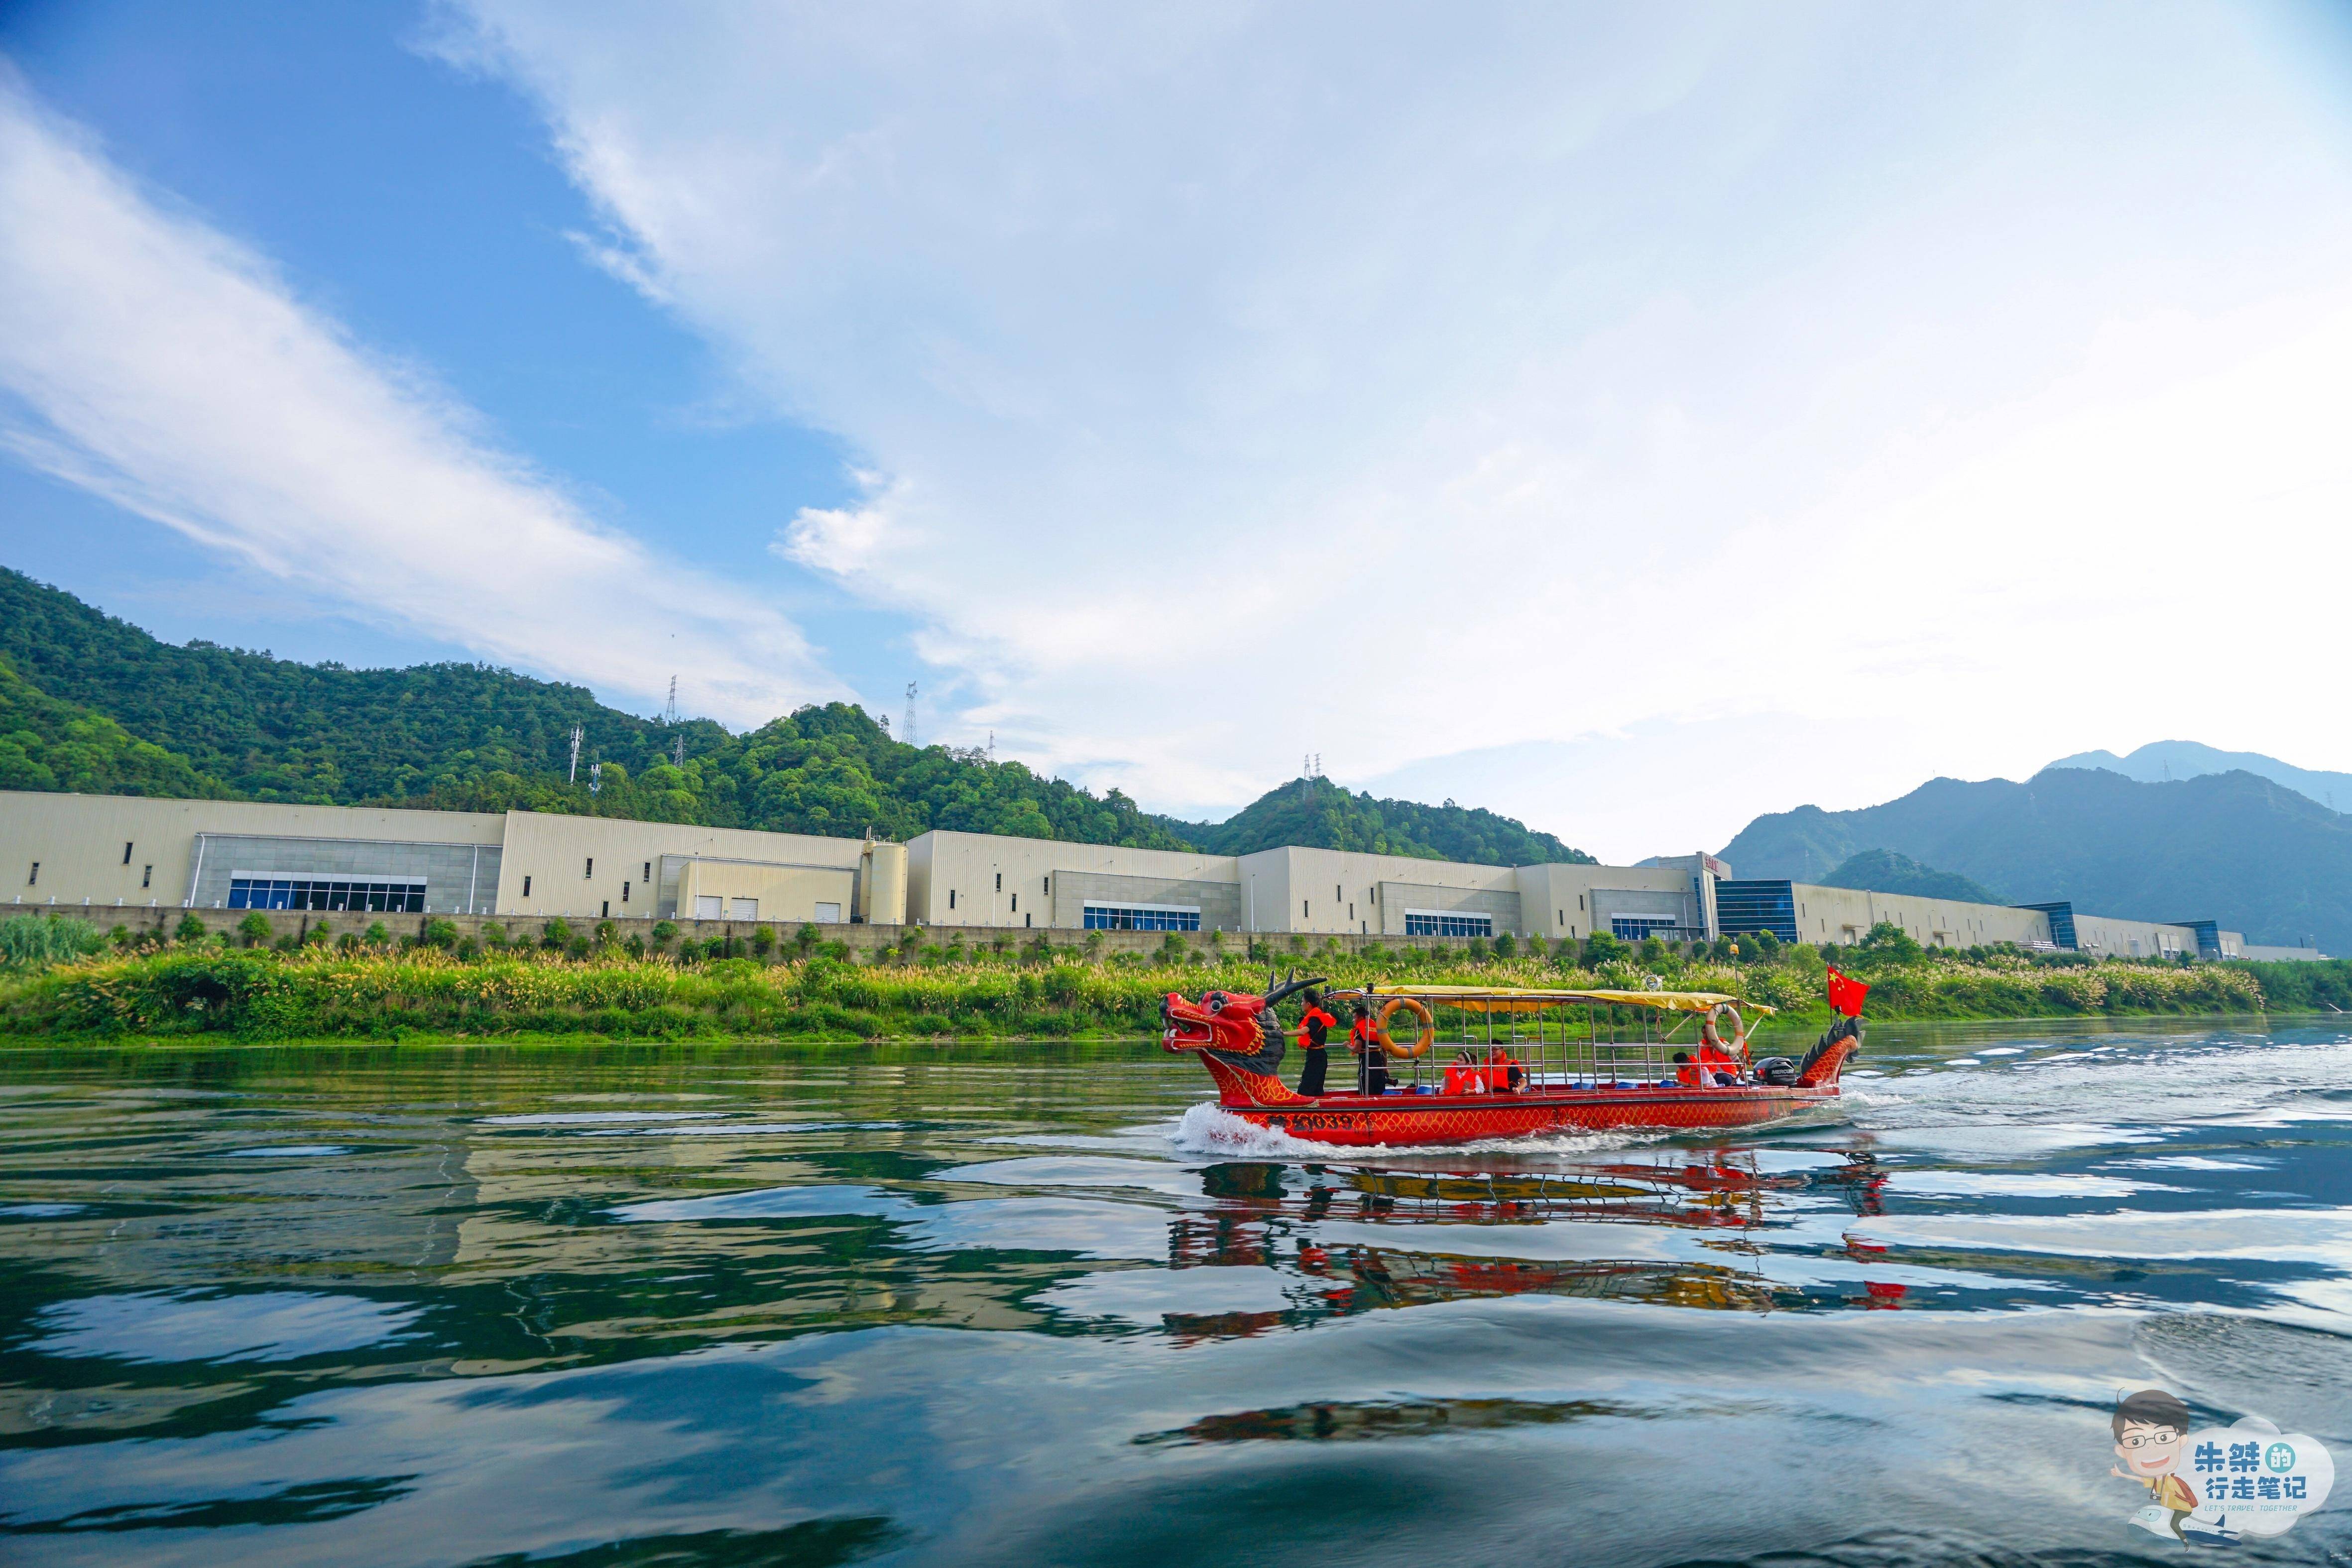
<point>1472,1062</point>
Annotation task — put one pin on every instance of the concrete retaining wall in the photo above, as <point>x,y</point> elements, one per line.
<point>859,938</point>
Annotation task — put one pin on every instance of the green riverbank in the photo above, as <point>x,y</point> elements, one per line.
<point>207,992</point>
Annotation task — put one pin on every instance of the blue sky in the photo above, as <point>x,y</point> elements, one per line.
<point>420,207</point>
<point>1631,419</point>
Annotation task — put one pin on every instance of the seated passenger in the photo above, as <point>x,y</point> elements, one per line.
<point>1497,1072</point>
<point>1464,1077</point>
<point>1714,1067</point>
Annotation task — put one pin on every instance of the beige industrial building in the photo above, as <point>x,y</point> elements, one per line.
<point>978,879</point>
<point>1845,915</point>
<point>100,851</point>
<point>133,851</point>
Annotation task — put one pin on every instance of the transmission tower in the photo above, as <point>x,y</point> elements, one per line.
<point>669,713</point>
<point>910,714</point>
<point>677,752</point>
<point>573,776</point>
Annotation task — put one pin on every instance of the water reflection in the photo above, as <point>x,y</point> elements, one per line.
<point>747,1305</point>
<point>1371,1420</point>
<point>1260,1219</point>
<point>257,1325</point>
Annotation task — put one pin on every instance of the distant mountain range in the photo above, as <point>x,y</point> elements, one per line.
<point>2161,761</point>
<point>93,704</point>
<point>2234,847</point>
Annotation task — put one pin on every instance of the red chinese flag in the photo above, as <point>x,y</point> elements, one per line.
<point>1846,993</point>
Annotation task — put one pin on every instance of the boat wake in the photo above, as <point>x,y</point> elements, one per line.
<point>1208,1129</point>
<point>1211,1129</point>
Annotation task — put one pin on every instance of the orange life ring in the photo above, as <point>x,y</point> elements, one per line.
<point>1737,1044</point>
<point>1428,1027</point>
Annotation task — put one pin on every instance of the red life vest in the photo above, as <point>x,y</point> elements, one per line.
<point>1701,1074</point>
<point>1499,1074</point>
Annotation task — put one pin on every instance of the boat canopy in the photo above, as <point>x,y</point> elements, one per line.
<point>1525,999</point>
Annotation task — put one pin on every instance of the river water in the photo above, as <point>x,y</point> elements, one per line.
<point>1026,1305</point>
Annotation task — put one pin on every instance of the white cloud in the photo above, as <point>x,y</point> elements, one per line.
<point>156,362</point>
<point>845,541</point>
<point>1398,384</point>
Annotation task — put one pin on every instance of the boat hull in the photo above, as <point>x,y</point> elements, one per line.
<point>1400,1120</point>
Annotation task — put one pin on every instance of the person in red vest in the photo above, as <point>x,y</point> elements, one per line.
<point>1715,1065</point>
<point>1371,1061</point>
<point>1314,1037</point>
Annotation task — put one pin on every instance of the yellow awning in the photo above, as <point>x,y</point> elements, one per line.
<point>1515,999</point>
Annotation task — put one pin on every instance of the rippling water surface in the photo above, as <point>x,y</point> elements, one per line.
<point>1025,1304</point>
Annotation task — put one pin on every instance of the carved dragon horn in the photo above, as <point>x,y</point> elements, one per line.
<point>1275,993</point>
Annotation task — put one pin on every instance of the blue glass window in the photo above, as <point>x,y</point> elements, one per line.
<point>1754,905</point>
<point>1633,927</point>
<point>1448,924</point>
<point>319,892</point>
<point>1140,917</point>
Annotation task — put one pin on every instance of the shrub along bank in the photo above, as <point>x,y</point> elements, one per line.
<point>203,989</point>
<point>2304,987</point>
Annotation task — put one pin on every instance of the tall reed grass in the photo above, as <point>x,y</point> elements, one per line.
<point>319,994</point>
<point>36,942</point>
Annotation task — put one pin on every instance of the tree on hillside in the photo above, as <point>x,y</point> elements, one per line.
<point>47,744</point>
<point>1317,814</point>
<point>1888,871</point>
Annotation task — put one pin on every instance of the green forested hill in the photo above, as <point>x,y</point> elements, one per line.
<point>1318,814</point>
<point>249,726</point>
<point>102,707</point>
<point>829,770</point>
<point>1885,870</point>
<point>2232,847</point>
<point>271,729</point>
<point>47,744</point>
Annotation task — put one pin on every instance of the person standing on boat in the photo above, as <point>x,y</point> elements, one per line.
<point>1314,1039</point>
<point>1371,1061</point>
